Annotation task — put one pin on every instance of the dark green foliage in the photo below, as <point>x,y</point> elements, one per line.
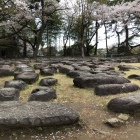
<point>73,50</point>
<point>53,29</point>
<point>121,49</point>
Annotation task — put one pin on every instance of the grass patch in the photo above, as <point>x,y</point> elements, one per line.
<point>68,93</point>
<point>4,79</point>
<point>135,81</point>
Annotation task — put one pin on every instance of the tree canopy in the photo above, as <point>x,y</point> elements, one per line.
<point>40,22</point>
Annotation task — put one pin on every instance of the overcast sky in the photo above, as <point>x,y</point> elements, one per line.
<point>101,44</point>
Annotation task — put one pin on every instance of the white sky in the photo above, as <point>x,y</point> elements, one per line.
<point>101,43</point>
<point>111,41</point>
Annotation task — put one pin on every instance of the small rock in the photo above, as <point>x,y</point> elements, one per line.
<point>111,89</point>
<point>127,104</point>
<point>42,94</point>
<point>15,84</point>
<point>65,69</point>
<point>47,71</point>
<point>6,71</point>
<point>9,94</point>
<point>101,132</point>
<point>28,77</point>
<point>134,76</point>
<point>114,122</point>
<point>48,82</point>
<point>123,117</point>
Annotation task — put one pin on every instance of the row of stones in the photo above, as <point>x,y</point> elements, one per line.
<point>88,78</point>
<point>97,74</point>
<point>23,75</point>
<point>16,113</point>
<point>106,84</point>
<point>104,79</point>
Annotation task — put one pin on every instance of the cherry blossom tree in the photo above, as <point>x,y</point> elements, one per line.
<point>28,19</point>
<point>120,16</point>
<point>25,12</point>
<point>125,13</point>
<point>85,25</point>
<point>68,16</point>
<point>8,16</point>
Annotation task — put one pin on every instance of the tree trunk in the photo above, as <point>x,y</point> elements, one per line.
<point>65,50</point>
<point>82,32</point>
<point>96,46</point>
<point>35,52</point>
<point>106,39</point>
<point>50,51</point>
<point>82,41</point>
<point>39,39</point>
<point>24,49</point>
<point>118,35</point>
<point>87,49</point>
<point>48,46</point>
<point>127,51</point>
<point>41,31</point>
<point>82,47</point>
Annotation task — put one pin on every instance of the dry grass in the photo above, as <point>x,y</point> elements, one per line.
<point>3,79</point>
<point>133,72</point>
<point>67,93</point>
